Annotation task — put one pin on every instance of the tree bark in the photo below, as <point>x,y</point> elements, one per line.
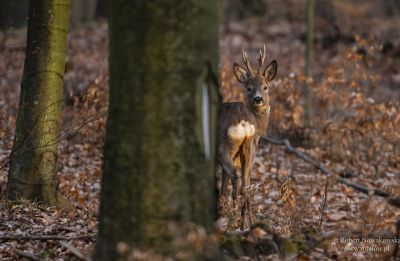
<point>82,11</point>
<point>309,62</point>
<point>156,171</point>
<point>242,9</point>
<point>13,13</point>
<point>101,8</point>
<point>33,161</point>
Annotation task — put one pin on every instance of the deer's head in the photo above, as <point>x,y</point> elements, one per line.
<point>256,82</point>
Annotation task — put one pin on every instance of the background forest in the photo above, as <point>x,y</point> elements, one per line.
<point>328,171</point>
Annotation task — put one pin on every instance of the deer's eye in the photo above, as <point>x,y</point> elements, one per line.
<point>248,89</point>
<point>266,87</point>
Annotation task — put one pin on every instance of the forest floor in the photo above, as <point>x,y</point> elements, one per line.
<point>355,136</point>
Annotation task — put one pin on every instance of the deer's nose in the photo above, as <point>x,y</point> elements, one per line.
<point>257,99</point>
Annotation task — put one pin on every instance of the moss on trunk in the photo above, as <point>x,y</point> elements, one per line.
<point>155,171</point>
<point>33,161</point>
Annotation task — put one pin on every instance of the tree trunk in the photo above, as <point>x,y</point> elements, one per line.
<point>13,13</point>
<point>33,161</point>
<point>83,11</point>
<point>101,8</point>
<point>309,61</point>
<point>242,9</point>
<point>160,141</point>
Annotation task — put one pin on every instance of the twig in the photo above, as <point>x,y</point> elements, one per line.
<point>329,235</point>
<point>67,136</point>
<point>28,255</point>
<point>243,232</point>
<point>299,154</point>
<point>15,46</point>
<point>74,250</point>
<point>323,203</point>
<point>395,201</point>
<point>43,238</point>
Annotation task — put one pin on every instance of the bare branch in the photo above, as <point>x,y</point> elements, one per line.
<point>323,204</point>
<point>394,201</point>
<point>74,251</point>
<point>67,135</point>
<point>28,255</point>
<point>43,238</point>
<point>243,232</point>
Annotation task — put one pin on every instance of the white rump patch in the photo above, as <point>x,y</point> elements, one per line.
<point>241,131</point>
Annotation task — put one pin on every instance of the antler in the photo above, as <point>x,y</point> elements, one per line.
<point>261,59</point>
<point>247,62</point>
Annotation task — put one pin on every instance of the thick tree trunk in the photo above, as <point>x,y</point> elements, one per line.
<point>158,169</point>
<point>33,161</point>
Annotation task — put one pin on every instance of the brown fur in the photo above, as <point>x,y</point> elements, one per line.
<point>236,155</point>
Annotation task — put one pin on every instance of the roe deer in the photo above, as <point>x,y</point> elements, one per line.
<point>241,126</point>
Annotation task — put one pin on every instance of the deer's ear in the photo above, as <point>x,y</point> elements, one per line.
<point>270,70</point>
<point>240,73</point>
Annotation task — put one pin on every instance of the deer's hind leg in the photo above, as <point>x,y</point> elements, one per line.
<point>229,170</point>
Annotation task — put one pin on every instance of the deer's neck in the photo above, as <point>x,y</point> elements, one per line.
<point>261,115</point>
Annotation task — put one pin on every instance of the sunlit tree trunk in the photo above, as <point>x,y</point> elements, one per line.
<point>309,61</point>
<point>158,169</point>
<point>33,161</point>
